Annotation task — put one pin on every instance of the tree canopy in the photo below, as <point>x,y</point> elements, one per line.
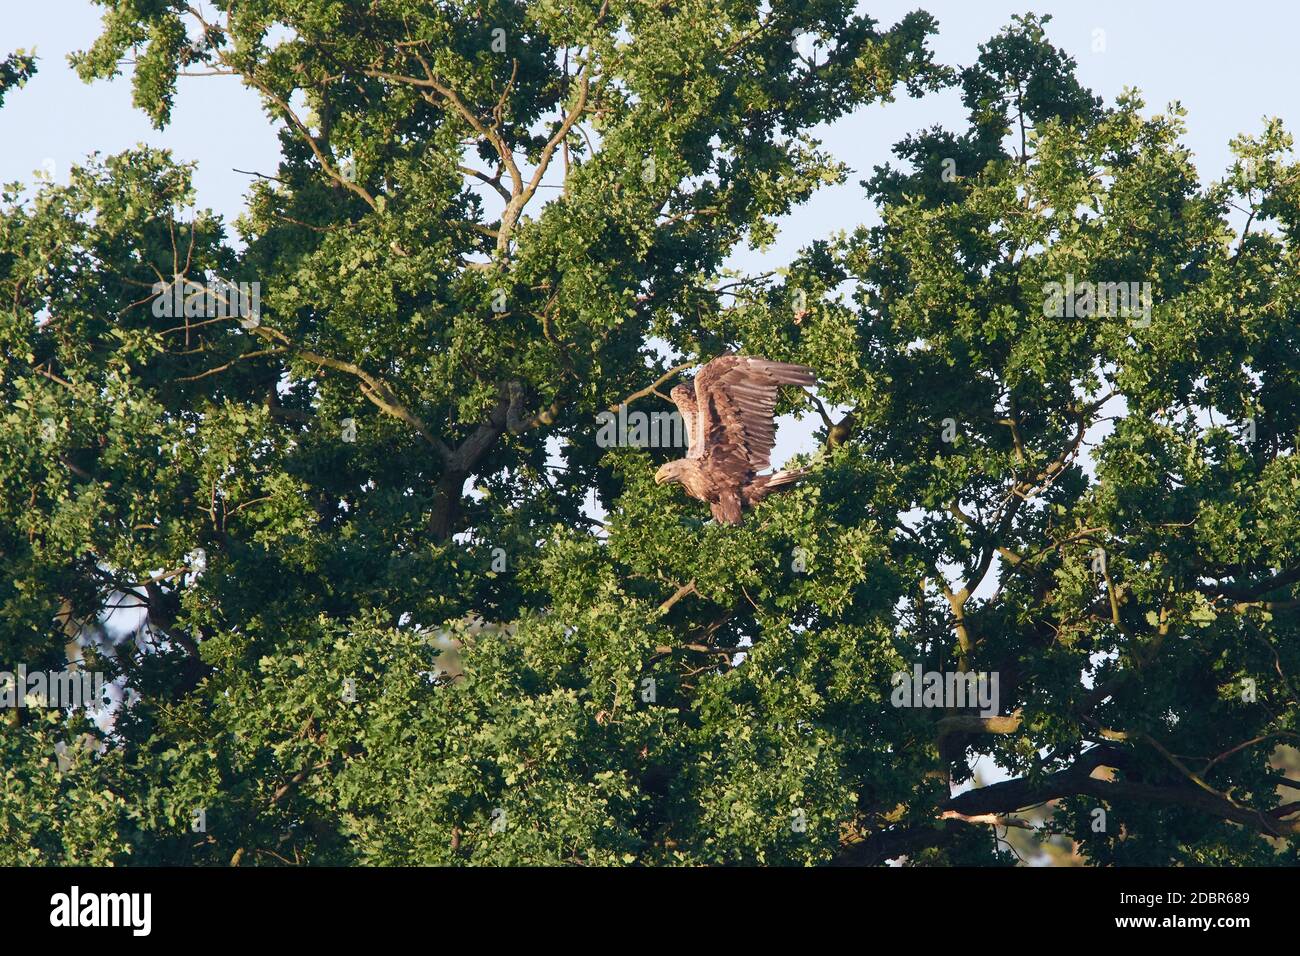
<point>398,605</point>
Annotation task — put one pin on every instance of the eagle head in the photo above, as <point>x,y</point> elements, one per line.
<point>670,472</point>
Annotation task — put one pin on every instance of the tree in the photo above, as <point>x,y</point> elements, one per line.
<point>382,622</point>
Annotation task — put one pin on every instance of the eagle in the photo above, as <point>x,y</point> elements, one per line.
<point>727,412</point>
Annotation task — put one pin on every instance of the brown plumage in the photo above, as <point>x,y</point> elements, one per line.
<point>728,412</point>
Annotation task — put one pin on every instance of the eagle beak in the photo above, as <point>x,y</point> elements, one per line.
<point>660,477</point>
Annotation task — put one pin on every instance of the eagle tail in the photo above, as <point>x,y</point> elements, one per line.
<point>764,485</point>
<point>784,477</point>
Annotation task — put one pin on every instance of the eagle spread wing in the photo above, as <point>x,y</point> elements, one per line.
<point>735,398</point>
<point>683,397</point>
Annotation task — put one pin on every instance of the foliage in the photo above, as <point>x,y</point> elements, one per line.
<point>494,220</point>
